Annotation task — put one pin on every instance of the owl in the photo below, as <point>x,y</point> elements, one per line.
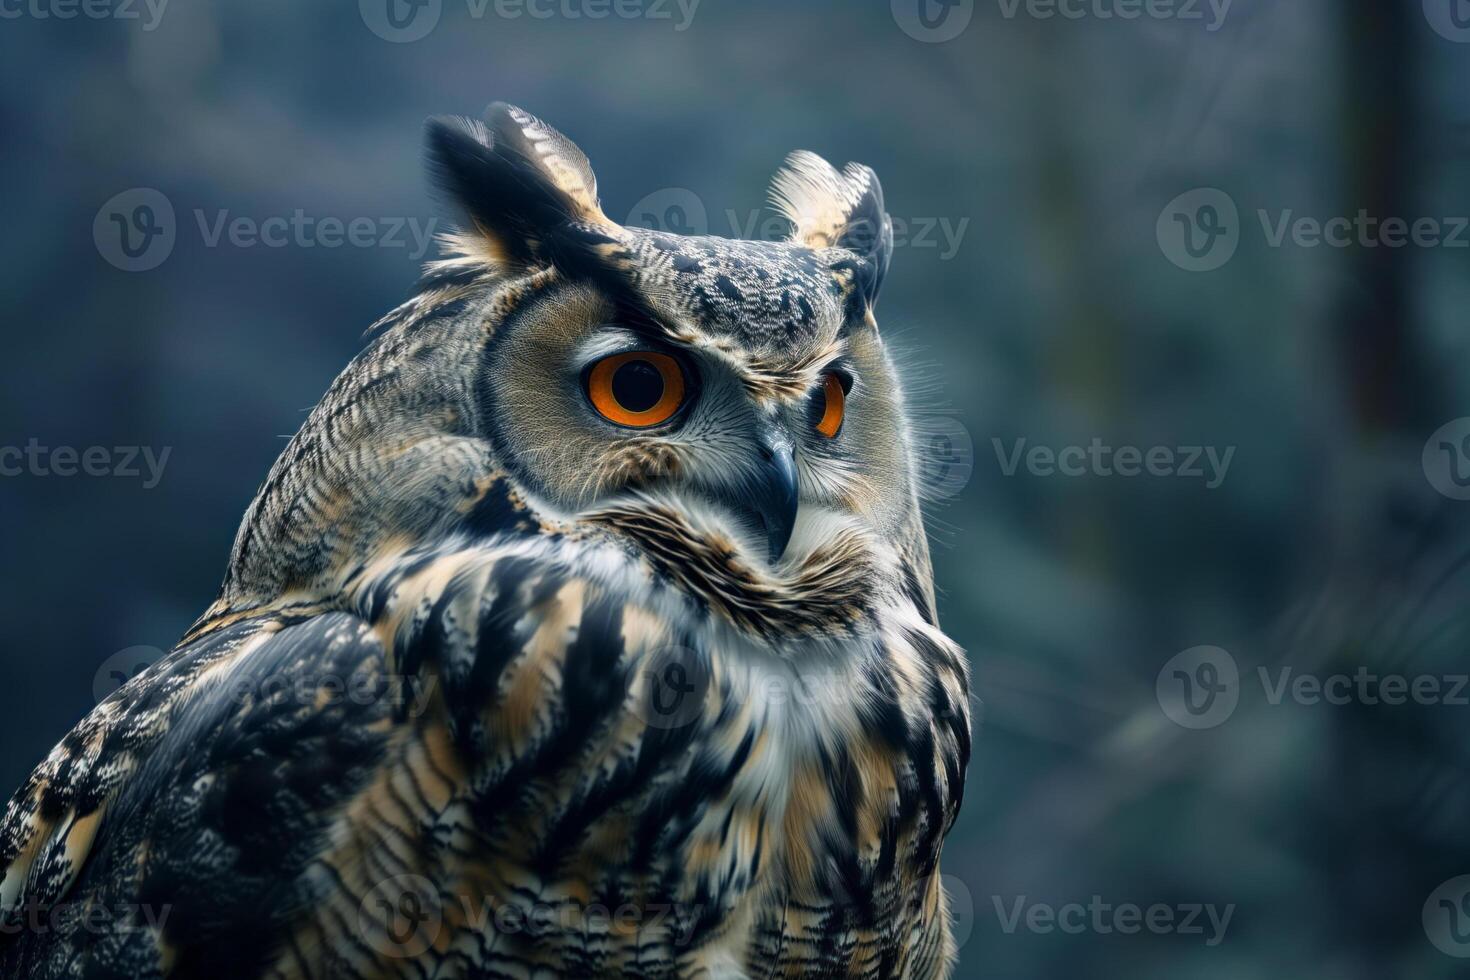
<point>585,629</point>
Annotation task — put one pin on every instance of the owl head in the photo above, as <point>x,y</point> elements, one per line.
<point>713,403</point>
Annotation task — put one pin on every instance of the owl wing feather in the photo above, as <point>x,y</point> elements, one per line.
<point>203,787</point>
<point>239,795</point>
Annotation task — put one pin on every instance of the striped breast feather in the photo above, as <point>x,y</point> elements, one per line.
<point>531,646</point>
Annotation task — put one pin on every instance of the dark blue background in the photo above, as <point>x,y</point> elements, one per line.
<point>1059,319</point>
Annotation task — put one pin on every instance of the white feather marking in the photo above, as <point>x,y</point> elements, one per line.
<point>816,199</point>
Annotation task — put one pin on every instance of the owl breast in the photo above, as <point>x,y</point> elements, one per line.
<point>643,790</point>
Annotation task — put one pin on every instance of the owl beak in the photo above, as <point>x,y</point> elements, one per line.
<point>777,495</point>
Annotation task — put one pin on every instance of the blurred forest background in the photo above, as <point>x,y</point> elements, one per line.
<point>1053,309</point>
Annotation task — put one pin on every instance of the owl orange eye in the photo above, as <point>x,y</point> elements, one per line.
<point>637,389</point>
<point>833,405</point>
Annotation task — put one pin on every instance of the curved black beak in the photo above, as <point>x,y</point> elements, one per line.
<point>776,495</point>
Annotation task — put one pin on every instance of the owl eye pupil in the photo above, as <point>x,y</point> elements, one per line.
<point>638,389</point>
<point>638,386</point>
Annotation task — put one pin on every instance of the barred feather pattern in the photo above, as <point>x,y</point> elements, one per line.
<point>509,766</point>
<point>437,726</point>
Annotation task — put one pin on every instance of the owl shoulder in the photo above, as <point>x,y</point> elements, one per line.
<point>199,794</point>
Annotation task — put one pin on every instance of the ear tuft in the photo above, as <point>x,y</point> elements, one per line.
<point>828,209</point>
<point>517,181</point>
<point>551,154</point>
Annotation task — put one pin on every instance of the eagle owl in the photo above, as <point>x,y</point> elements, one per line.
<point>585,629</point>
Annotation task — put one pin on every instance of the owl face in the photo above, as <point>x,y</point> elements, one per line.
<point>742,384</point>
<point>726,378</point>
<point>724,410</point>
